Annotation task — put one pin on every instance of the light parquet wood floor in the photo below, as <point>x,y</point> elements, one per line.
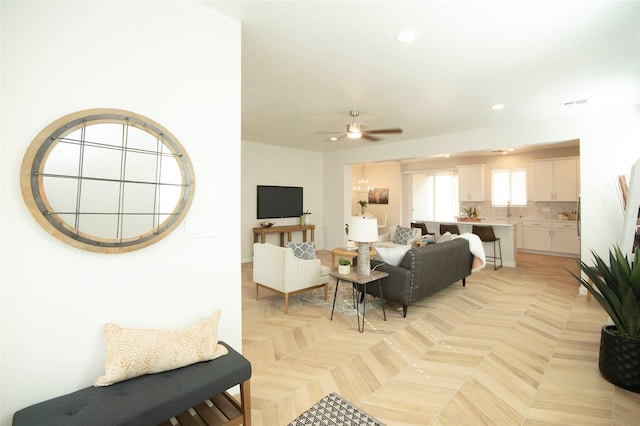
<point>516,346</point>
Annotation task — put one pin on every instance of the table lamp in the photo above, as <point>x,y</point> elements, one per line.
<point>364,230</point>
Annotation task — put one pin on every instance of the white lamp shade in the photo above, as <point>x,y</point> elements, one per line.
<point>363,229</point>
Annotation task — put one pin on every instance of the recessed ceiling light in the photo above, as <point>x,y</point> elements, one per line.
<point>406,36</point>
<point>497,107</point>
<point>334,138</point>
<point>502,151</point>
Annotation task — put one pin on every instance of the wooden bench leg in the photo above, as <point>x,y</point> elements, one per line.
<point>245,400</point>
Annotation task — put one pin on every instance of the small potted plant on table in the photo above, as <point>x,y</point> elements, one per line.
<point>350,243</point>
<point>344,266</point>
<point>363,205</point>
<point>616,287</point>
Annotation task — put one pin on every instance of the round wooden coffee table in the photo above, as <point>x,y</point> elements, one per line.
<point>349,254</point>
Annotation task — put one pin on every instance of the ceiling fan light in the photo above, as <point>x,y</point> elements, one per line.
<point>354,135</point>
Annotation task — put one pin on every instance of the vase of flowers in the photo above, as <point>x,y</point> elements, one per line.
<point>305,218</point>
<point>363,205</point>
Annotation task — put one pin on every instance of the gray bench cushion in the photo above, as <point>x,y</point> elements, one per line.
<point>145,400</point>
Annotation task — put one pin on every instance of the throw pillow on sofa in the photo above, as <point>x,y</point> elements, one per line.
<point>447,236</point>
<point>403,235</point>
<point>305,251</point>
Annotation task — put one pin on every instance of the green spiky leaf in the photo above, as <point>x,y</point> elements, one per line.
<point>616,287</point>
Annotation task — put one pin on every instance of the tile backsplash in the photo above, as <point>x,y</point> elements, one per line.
<point>534,210</point>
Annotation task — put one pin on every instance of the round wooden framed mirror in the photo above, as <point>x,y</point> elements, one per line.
<point>107,180</point>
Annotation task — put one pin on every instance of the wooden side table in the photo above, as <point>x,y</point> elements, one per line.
<point>282,230</point>
<point>363,280</point>
<point>350,254</point>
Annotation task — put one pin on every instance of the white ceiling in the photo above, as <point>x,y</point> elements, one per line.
<point>305,64</point>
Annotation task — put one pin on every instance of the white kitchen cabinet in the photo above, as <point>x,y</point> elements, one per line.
<point>555,180</point>
<point>518,230</point>
<point>564,237</point>
<point>471,183</point>
<point>559,237</point>
<point>536,235</point>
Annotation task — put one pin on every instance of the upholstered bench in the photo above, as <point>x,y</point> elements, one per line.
<point>154,398</point>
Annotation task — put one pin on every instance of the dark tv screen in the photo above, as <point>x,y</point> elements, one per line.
<point>279,201</point>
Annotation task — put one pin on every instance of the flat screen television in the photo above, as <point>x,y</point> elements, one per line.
<point>279,201</point>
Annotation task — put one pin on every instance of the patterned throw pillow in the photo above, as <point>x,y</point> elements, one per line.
<point>133,352</point>
<point>303,250</point>
<point>403,235</point>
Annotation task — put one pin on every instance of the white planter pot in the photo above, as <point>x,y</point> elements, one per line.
<point>344,269</point>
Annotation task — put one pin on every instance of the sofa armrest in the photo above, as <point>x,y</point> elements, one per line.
<point>301,273</point>
<point>417,236</point>
<point>383,237</point>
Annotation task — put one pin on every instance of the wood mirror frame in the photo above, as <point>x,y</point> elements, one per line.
<point>107,180</point>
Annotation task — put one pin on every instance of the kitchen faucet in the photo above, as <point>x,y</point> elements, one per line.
<point>509,208</point>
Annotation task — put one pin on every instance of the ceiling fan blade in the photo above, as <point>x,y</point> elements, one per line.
<point>319,132</point>
<point>370,138</point>
<point>383,131</point>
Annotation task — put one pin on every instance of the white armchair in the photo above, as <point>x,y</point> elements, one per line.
<point>389,237</point>
<point>278,269</point>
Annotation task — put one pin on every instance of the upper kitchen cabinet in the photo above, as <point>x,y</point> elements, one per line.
<point>471,183</point>
<point>555,180</point>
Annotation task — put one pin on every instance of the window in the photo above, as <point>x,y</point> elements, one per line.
<point>435,195</point>
<point>509,186</point>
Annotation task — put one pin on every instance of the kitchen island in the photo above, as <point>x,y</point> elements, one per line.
<point>505,229</point>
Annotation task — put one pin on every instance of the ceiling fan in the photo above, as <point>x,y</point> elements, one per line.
<point>356,130</point>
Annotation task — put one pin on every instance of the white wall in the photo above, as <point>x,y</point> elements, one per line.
<point>609,145</point>
<point>175,62</point>
<point>271,165</point>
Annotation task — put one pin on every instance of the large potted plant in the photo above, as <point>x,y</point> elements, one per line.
<point>616,287</point>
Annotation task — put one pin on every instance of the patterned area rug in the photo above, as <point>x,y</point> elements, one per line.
<point>344,299</point>
<point>333,410</point>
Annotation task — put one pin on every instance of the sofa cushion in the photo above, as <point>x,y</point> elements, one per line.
<point>134,352</point>
<point>391,254</point>
<point>403,235</point>
<point>305,250</point>
<point>146,400</point>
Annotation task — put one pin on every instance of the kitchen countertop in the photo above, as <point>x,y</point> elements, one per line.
<point>500,222</point>
<point>484,222</point>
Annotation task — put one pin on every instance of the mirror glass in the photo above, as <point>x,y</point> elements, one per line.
<point>108,180</point>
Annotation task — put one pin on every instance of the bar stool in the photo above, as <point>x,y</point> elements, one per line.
<point>487,235</point>
<point>421,226</point>
<point>453,229</point>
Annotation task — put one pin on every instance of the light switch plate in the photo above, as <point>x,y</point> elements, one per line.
<point>199,229</point>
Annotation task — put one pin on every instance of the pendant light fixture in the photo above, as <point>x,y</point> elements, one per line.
<point>364,185</point>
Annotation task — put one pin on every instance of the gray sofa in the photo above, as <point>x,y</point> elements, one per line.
<point>423,271</point>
